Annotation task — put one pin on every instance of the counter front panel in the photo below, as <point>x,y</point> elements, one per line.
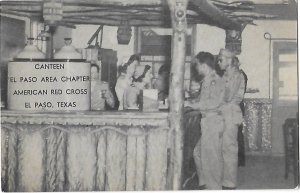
<point>85,151</point>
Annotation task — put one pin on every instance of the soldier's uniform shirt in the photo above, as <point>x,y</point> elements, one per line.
<point>211,94</point>
<point>233,96</point>
<point>207,153</point>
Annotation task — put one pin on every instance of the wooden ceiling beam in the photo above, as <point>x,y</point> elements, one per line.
<point>111,22</point>
<point>17,3</point>
<point>251,15</point>
<point>220,19</point>
<point>235,7</point>
<point>29,8</point>
<point>131,20</point>
<point>101,14</point>
<point>70,6</point>
<point>27,1</point>
<point>220,13</point>
<point>112,11</point>
<point>21,14</point>
<point>116,2</point>
<point>100,2</point>
<point>258,1</point>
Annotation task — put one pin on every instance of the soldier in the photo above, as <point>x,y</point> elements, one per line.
<point>233,96</point>
<point>208,151</point>
<point>241,143</point>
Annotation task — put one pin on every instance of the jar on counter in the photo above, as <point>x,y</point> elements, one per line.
<point>31,51</point>
<point>68,51</point>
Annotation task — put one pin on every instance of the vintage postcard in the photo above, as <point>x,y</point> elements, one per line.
<point>149,95</point>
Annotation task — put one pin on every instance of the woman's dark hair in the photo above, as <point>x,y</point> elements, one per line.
<point>134,57</point>
<point>95,65</point>
<point>207,58</point>
<point>141,77</point>
<point>165,68</point>
<point>122,69</point>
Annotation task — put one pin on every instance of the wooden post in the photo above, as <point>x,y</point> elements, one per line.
<point>176,93</point>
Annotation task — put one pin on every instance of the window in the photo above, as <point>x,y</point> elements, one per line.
<point>288,89</point>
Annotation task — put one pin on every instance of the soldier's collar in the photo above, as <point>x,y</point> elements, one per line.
<point>230,70</point>
<point>210,76</point>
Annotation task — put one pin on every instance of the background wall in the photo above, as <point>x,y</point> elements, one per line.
<point>83,33</point>
<point>255,49</point>
<point>209,39</point>
<point>255,52</point>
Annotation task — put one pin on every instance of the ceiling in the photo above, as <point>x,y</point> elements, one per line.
<point>226,14</point>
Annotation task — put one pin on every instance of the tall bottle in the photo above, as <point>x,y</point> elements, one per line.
<point>67,51</point>
<point>31,51</point>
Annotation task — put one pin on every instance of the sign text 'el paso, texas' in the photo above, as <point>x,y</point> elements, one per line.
<point>48,86</point>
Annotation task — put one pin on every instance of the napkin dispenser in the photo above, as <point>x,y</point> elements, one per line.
<point>149,100</point>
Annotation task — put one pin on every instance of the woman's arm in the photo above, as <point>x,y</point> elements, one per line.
<point>109,98</point>
<point>120,94</point>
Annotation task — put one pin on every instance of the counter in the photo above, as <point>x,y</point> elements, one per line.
<point>86,151</point>
<point>192,133</point>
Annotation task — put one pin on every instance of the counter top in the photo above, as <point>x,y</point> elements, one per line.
<point>128,118</point>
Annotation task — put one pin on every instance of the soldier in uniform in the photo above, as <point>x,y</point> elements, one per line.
<point>233,96</point>
<point>208,151</point>
<point>241,142</point>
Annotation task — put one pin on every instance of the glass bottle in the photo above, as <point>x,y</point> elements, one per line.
<point>31,51</point>
<point>68,51</point>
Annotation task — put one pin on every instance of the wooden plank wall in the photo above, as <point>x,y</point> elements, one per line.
<point>83,158</point>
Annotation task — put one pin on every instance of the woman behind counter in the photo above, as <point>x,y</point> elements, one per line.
<point>100,91</point>
<point>140,80</point>
<point>126,71</point>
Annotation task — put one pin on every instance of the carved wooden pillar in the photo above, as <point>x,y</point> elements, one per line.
<point>176,93</point>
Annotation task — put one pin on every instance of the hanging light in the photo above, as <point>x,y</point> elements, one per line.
<point>234,41</point>
<point>124,32</point>
<point>52,11</point>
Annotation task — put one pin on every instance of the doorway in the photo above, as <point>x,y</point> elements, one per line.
<point>285,90</point>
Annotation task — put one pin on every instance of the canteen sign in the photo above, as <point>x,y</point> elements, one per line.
<point>49,86</point>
